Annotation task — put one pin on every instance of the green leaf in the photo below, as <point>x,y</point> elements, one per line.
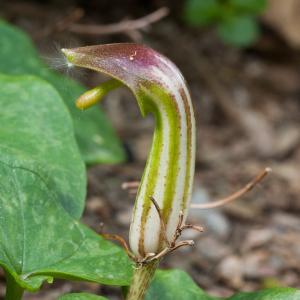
<point>240,31</point>
<point>36,133</point>
<point>39,240</point>
<point>81,296</point>
<point>249,6</point>
<point>95,136</point>
<point>177,285</point>
<point>202,12</point>
<point>269,294</point>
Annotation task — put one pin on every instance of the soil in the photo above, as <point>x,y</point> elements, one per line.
<point>247,106</point>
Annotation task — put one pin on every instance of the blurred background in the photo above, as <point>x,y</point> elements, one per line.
<point>241,59</point>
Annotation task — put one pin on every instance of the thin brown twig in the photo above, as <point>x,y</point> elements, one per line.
<point>173,245</point>
<point>182,244</point>
<point>159,255</point>
<point>181,216</point>
<point>118,238</point>
<point>121,27</point>
<point>247,188</point>
<point>192,226</point>
<point>178,229</point>
<point>162,223</point>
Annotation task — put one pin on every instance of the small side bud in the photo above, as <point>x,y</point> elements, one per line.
<point>95,95</point>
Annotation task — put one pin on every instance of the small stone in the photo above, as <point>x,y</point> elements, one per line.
<point>230,269</point>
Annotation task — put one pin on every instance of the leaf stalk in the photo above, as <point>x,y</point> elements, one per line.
<point>13,290</point>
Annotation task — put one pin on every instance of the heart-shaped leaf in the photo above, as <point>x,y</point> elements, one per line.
<point>39,240</point>
<point>39,166</point>
<point>95,136</point>
<point>177,285</point>
<point>81,296</point>
<point>36,133</point>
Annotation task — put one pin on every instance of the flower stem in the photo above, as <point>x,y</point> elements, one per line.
<point>142,277</point>
<point>13,290</point>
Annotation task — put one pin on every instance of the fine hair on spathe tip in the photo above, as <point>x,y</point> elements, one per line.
<point>56,60</point>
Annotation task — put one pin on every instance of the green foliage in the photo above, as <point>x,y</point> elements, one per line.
<point>39,238</point>
<point>202,12</point>
<point>81,296</point>
<point>239,31</point>
<point>95,136</point>
<point>177,285</point>
<point>235,19</point>
<point>37,134</point>
<point>249,6</point>
<point>269,294</point>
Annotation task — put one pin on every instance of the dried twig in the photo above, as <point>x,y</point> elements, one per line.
<point>121,27</point>
<point>118,238</point>
<point>192,226</point>
<point>162,223</point>
<point>182,244</point>
<point>179,227</point>
<point>247,188</point>
<point>171,245</point>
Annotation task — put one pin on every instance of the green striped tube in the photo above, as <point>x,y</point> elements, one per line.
<point>160,90</point>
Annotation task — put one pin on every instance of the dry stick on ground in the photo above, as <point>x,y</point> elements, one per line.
<point>247,188</point>
<point>217,203</point>
<point>121,27</point>
<point>173,245</point>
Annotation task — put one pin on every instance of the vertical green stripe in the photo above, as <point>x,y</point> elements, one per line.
<point>155,154</point>
<point>167,105</point>
<point>189,149</point>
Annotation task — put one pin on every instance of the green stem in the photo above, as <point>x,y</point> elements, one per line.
<point>13,290</point>
<point>142,277</point>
